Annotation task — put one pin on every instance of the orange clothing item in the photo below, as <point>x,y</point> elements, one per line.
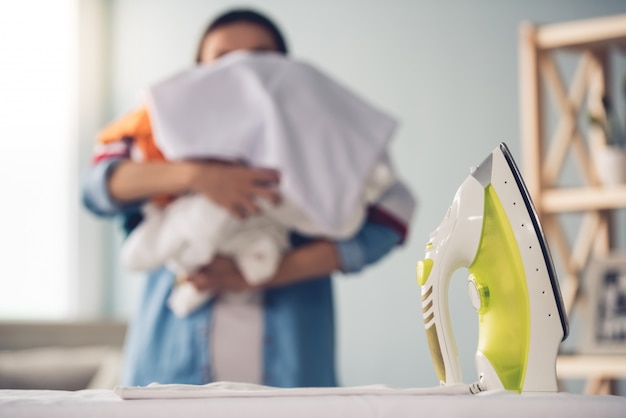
<point>136,125</point>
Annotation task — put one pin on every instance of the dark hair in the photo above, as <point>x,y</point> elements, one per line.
<point>247,16</point>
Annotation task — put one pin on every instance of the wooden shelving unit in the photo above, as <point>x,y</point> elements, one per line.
<point>544,156</point>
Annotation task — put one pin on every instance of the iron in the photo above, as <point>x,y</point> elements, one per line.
<point>493,230</point>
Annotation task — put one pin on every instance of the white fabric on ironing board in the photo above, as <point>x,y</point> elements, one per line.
<point>271,111</point>
<point>224,389</point>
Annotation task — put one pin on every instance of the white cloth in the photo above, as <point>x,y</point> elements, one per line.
<point>271,111</point>
<point>224,389</point>
<point>187,233</point>
<point>329,146</point>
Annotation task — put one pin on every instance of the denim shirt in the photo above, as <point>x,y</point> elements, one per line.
<point>299,322</point>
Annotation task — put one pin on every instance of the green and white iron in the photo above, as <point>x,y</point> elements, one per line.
<point>492,229</point>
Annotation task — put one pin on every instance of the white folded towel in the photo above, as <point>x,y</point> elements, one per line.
<point>246,390</point>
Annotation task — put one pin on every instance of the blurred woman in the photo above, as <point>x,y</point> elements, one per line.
<point>279,334</point>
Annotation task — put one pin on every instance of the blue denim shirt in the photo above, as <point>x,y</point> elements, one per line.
<point>299,322</point>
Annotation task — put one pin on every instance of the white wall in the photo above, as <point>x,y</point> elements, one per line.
<point>446,69</point>
<point>37,100</point>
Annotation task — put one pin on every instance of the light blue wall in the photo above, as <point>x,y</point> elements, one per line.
<point>448,70</point>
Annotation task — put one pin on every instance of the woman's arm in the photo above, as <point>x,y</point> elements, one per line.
<point>113,185</point>
<point>315,260</point>
<point>132,181</point>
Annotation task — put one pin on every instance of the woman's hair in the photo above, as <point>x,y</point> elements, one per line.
<point>246,16</point>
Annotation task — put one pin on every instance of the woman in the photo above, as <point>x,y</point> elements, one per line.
<point>281,334</point>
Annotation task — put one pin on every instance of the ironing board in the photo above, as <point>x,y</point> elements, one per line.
<point>106,403</point>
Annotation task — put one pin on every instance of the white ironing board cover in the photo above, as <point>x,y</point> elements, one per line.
<point>392,404</point>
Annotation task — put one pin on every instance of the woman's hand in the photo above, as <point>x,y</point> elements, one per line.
<point>235,187</point>
<point>221,275</point>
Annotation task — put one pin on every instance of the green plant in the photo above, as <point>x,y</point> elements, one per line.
<point>614,132</point>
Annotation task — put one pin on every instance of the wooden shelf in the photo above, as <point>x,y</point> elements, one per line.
<point>582,366</point>
<point>578,199</point>
<point>582,33</point>
<point>543,85</point>
<point>599,371</point>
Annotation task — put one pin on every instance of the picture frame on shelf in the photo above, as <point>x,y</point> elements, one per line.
<point>604,324</point>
